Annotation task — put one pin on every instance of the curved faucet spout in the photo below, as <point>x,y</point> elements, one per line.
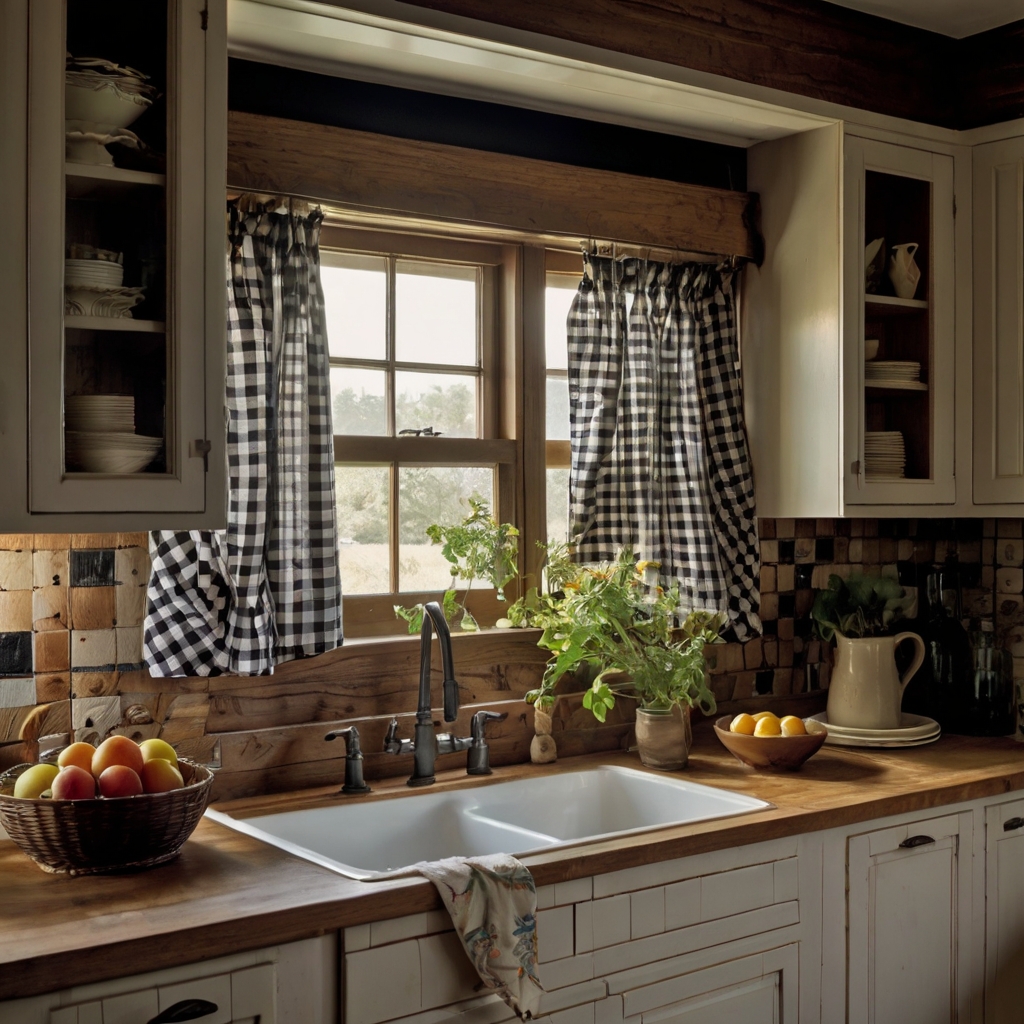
<point>434,621</point>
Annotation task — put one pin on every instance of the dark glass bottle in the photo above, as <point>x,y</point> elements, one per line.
<point>948,659</point>
<point>988,700</point>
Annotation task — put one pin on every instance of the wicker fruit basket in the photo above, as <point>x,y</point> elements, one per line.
<point>90,837</point>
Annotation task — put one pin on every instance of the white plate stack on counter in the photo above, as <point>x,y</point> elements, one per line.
<point>100,435</point>
<point>885,455</point>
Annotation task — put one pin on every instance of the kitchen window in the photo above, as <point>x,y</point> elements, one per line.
<point>416,350</point>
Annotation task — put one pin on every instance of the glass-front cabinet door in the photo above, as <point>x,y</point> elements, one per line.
<point>899,358</point>
<point>126,287</point>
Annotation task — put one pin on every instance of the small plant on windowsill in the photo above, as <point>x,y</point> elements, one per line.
<point>617,621</point>
<point>478,548</point>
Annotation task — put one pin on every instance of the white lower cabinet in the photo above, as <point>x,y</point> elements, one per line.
<point>296,982</point>
<point>909,919</point>
<point>1004,913</point>
<point>718,936</point>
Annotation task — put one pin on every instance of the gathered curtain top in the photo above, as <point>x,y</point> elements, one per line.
<point>693,282</point>
<point>286,224</point>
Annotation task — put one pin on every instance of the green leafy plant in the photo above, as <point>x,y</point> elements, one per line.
<point>617,621</point>
<point>859,606</point>
<point>478,548</point>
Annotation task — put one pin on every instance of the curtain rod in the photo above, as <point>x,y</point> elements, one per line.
<point>620,251</point>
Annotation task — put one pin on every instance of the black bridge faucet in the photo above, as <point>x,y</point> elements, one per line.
<point>425,746</point>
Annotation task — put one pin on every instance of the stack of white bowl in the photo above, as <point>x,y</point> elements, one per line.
<point>92,275</point>
<point>100,435</point>
<point>885,454</point>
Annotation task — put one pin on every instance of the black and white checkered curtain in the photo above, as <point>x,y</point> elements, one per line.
<point>659,449</point>
<point>268,588</point>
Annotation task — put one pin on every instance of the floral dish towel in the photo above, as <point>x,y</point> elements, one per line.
<point>493,904</point>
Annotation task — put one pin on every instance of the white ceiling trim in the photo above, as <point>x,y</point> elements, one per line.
<point>347,43</point>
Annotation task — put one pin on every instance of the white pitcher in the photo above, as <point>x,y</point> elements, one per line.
<point>866,691</point>
<point>904,273</point>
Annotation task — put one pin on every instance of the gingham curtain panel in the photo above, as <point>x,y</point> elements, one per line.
<point>268,588</point>
<point>659,449</point>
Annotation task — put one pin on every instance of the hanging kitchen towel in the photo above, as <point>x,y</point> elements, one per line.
<point>493,904</point>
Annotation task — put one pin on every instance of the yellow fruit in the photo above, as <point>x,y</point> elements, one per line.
<point>742,724</point>
<point>78,754</point>
<point>154,749</point>
<point>160,776</point>
<point>792,726</point>
<point>35,781</point>
<point>765,714</point>
<point>768,727</point>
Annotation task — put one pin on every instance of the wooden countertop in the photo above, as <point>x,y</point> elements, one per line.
<point>228,892</point>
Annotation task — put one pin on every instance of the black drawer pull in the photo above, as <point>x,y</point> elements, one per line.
<point>909,844</point>
<point>187,1009</point>
<point>1013,823</point>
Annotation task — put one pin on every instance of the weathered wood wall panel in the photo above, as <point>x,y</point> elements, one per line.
<point>385,175</point>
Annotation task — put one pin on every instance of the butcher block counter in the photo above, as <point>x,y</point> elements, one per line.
<point>228,892</point>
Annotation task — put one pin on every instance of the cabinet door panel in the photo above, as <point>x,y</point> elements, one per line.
<point>909,915</point>
<point>755,1002</point>
<point>999,322</point>
<point>1004,913</point>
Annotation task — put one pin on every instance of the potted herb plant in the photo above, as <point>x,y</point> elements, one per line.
<point>866,691</point>
<point>478,548</point>
<point>617,621</point>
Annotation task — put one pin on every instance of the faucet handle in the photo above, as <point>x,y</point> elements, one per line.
<point>354,782</point>
<point>393,745</point>
<point>479,756</point>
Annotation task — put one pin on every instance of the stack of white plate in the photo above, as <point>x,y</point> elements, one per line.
<point>92,273</point>
<point>109,452</point>
<point>914,731</point>
<point>885,454</point>
<point>894,373</point>
<point>112,414</point>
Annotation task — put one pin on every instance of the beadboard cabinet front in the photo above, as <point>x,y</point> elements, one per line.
<point>160,212</point>
<point>999,322</point>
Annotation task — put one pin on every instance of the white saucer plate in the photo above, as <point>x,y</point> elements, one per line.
<point>914,731</point>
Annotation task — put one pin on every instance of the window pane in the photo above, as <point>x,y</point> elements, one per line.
<point>355,299</point>
<point>357,401</point>
<point>446,402</point>
<point>436,314</point>
<point>558,505</point>
<point>561,290</point>
<point>363,500</point>
<point>557,428</point>
<point>427,495</point>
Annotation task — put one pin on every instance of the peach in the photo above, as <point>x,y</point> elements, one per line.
<point>35,781</point>
<point>158,749</point>
<point>74,783</point>
<point>79,754</point>
<point>119,780</point>
<point>117,750</point>
<point>159,776</point>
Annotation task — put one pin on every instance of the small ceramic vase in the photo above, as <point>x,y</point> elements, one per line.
<point>663,738</point>
<point>904,273</point>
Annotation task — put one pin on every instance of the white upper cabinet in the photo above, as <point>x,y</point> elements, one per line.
<point>850,381</point>
<point>898,325</point>
<point>999,322</point>
<point>117,371</point>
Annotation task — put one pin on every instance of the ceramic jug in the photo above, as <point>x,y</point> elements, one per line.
<point>866,691</point>
<point>903,271</point>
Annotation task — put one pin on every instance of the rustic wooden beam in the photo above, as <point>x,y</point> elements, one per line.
<point>388,176</point>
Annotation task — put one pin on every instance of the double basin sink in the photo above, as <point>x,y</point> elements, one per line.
<point>379,839</point>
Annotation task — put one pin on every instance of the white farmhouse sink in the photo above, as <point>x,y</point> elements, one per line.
<point>377,839</point>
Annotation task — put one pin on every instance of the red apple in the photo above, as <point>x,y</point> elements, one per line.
<point>117,750</point>
<point>119,780</point>
<point>159,776</point>
<point>73,783</point>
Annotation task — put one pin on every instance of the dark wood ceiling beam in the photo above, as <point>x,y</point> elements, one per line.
<point>388,176</point>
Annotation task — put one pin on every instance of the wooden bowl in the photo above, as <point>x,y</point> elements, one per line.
<point>773,752</point>
<point>89,837</point>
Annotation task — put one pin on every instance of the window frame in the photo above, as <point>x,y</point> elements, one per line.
<point>501,422</point>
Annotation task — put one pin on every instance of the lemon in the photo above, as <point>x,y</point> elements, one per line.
<point>768,727</point>
<point>792,726</point>
<point>765,714</point>
<point>743,724</point>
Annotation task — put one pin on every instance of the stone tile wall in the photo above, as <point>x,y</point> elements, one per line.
<point>72,606</point>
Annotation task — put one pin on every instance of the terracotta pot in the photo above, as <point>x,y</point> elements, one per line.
<point>663,738</point>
